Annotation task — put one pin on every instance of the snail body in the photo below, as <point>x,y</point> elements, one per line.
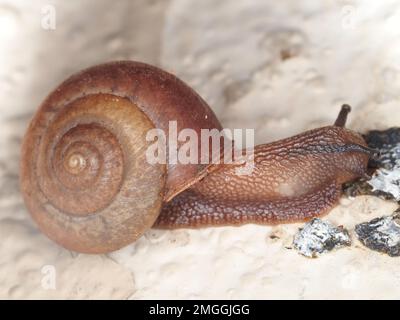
<point>293,180</point>
<point>89,187</point>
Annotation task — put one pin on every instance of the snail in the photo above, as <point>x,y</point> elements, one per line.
<point>87,183</point>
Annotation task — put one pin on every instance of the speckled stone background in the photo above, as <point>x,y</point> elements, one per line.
<point>279,67</point>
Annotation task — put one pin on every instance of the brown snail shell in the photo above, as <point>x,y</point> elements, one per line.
<point>84,174</point>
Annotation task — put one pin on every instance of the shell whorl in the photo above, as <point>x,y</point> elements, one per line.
<point>85,176</point>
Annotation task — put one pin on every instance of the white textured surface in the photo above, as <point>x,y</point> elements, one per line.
<point>230,51</point>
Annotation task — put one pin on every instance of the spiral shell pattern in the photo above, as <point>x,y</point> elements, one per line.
<point>84,173</point>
